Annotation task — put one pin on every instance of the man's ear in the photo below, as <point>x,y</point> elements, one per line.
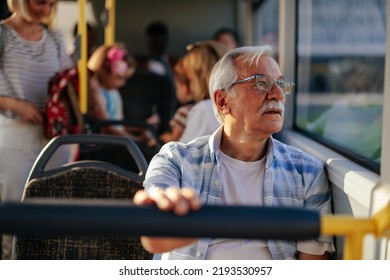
<point>220,99</point>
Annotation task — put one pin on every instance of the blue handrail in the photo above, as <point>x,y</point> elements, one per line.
<point>102,218</point>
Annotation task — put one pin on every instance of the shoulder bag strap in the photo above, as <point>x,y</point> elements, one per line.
<point>56,40</point>
<point>1,38</point>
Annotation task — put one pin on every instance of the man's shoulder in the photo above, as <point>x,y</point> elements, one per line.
<point>196,144</point>
<point>287,152</point>
<point>195,148</point>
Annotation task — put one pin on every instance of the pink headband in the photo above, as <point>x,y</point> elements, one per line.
<point>115,58</point>
<point>116,53</point>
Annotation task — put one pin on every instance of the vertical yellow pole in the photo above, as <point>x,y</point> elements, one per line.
<point>109,31</point>
<point>82,63</point>
<point>353,246</point>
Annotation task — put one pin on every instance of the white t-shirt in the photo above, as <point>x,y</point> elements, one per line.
<point>201,121</point>
<point>240,186</point>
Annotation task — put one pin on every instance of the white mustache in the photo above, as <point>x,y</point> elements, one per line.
<point>272,105</point>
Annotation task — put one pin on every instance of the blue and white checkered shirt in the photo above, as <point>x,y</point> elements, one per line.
<point>292,179</point>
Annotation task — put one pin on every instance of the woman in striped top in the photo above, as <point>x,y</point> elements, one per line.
<point>31,53</point>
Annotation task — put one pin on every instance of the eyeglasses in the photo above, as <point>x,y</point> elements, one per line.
<point>265,83</point>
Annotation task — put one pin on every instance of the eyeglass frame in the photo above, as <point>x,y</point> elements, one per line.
<point>257,75</point>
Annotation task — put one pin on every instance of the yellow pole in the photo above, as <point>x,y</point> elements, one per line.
<point>353,229</point>
<point>382,221</point>
<point>109,31</point>
<point>353,246</point>
<point>82,63</point>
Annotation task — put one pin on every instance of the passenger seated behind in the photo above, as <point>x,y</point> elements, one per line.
<point>111,66</point>
<point>186,98</point>
<point>195,68</point>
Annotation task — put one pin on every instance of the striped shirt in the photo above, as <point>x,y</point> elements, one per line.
<point>26,66</point>
<point>180,117</point>
<point>292,179</point>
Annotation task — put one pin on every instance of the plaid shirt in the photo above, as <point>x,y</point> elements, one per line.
<point>292,178</point>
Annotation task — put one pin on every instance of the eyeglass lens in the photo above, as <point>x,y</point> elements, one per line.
<point>266,83</point>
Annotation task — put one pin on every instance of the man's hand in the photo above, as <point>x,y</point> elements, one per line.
<point>180,201</point>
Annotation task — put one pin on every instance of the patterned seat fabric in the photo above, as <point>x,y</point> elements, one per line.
<point>81,183</point>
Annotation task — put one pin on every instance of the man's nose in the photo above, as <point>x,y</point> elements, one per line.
<point>276,92</point>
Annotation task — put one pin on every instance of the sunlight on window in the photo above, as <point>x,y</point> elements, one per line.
<point>340,76</point>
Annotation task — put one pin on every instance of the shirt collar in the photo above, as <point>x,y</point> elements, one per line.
<point>270,152</point>
<point>215,142</point>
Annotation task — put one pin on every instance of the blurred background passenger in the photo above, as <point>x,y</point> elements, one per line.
<point>226,36</point>
<point>149,95</point>
<point>196,66</point>
<point>185,98</point>
<point>111,66</point>
<point>157,43</point>
<point>32,53</point>
<point>92,38</point>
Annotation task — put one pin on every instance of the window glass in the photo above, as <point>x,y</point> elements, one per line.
<point>340,74</point>
<point>266,27</point>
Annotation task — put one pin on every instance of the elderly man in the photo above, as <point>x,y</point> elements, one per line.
<point>240,164</point>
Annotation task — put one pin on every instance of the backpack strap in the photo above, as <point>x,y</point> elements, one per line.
<point>1,38</point>
<point>54,36</point>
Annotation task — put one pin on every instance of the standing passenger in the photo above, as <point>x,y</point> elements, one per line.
<point>31,53</point>
<point>157,40</point>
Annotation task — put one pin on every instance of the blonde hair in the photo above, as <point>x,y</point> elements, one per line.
<point>196,66</point>
<point>20,7</point>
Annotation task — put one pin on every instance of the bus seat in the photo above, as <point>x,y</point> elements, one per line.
<point>80,181</point>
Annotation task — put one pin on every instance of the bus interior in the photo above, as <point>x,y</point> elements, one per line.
<point>334,50</point>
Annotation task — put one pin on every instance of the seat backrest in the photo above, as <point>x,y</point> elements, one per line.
<point>83,180</point>
<point>130,147</point>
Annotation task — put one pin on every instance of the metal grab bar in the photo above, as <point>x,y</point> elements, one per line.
<point>96,219</point>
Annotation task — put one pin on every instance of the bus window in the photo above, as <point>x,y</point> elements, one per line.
<point>340,75</point>
<point>266,23</point>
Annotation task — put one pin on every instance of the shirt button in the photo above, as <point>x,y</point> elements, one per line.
<point>216,182</point>
<point>198,253</point>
